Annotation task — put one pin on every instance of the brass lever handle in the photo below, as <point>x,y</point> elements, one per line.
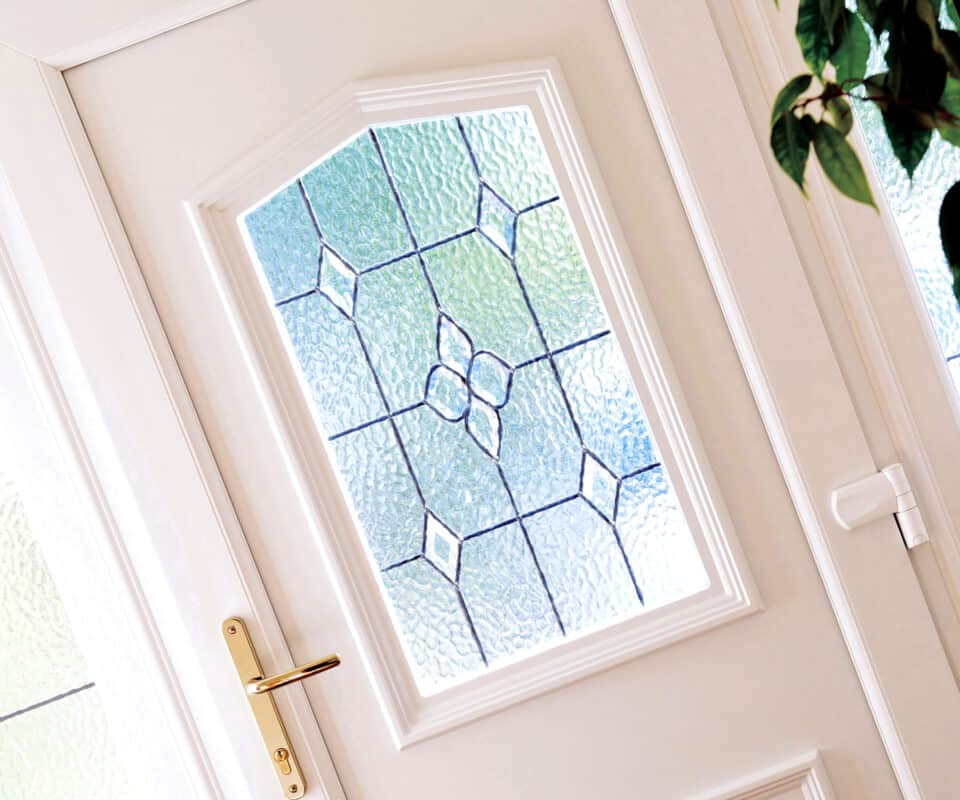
<point>263,685</point>
<point>258,692</point>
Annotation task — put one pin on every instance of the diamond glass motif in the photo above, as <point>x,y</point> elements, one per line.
<point>338,283</point>
<point>497,221</point>
<point>598,486</point>
<point>475,402</point>
<point>442,547</point>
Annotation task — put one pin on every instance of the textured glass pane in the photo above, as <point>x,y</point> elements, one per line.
<point>436,631</point>
<point>584,566</point>
<point>550,263</point>
<point>344,389</point>
<point>355,207</point>
<point>398,321</point>
<point>541,452</point>
<point>38,655</point>
<point>437,182</point>
<point>286,242</point>
<point>655,536</point>
<point>478,288</point>
<point>916,208</point>
<point>475,402</point>
<point>510,156</point>
<point>384,495</point>
<point>606,405</point>
<point>505,594</point>
<point>62,750</point>
<point>460,482</point>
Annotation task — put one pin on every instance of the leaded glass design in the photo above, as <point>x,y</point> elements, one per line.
<point>473,397</point>
<point>916,208</point>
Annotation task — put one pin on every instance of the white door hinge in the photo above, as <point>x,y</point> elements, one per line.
<point>885,492</point>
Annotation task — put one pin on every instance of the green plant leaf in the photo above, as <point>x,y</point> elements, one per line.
<point>840,163</point>
<point>908,139</point>
<point>790,142</point>
<point>830,11</point>
<point>813,35</point>
<point>950,233</point>
<point>789,94</point>
<point>948,45</point>
<point>950,102</point>
<point>953,13</point>
<point>841,114</point>
<point>852,50</point>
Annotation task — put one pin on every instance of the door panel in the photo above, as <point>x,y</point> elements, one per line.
<point>166,115</point>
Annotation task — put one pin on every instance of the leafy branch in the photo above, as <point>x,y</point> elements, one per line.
<point>917,95</point>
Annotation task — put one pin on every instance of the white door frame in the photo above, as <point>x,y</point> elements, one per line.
<point>98,338</point>
<point>872,275</point>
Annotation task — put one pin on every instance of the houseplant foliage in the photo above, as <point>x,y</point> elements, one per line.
<point>917,94</point>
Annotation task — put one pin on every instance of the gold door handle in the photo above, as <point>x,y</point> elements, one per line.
<point>261,685</point>
<point>258,691</point>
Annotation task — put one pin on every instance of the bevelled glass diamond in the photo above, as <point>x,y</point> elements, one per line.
<point>338,283</point>
<point>447,393</point>
<point>453,345</point>
<point>497,221</point>
<point>599,486</point>
<point>483,424</point>
<point>442,547</point>
<point>489,378</point>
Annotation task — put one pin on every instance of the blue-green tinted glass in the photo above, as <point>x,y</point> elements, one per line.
<point>916,208</point>
<point>474,399</point>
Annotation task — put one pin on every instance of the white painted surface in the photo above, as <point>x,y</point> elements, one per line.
<point>538,85</point>
<point>872,307</point>
<point>673,723</point>
<point>65,34</point>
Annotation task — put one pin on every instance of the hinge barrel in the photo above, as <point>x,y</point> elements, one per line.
<point>876,496</point>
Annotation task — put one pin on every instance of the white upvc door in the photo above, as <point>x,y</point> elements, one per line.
<point>763,651</point>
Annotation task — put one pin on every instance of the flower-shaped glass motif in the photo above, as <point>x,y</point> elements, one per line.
<point>442,547</point>
<point>475,384</point>
<point>338,281</point>
<point>497,221</point>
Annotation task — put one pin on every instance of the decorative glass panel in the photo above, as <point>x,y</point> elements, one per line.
<point>916,208</point>
<point>496,454</point>
<point>54,740</point>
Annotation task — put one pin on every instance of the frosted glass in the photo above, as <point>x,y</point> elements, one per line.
<point>431,166</point>
<point>62,750</point>
<point>553,270</point>
<point>437,635</point>
<point>38,655</point>
<point>510,156</point>
<point>475,402</point>
<point>504,593</point>
<point>350,191</point>
<point>396,315</point>
<point>916,209</point>
<point>655,537</point>
<point>583,564</point>
<point>478,288</point>
<point>606,405</point>
<point>286,241</point>
<point>384,495</point>
<point>541,452</point>
<point>459,481</point>
<point>344,389</point>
